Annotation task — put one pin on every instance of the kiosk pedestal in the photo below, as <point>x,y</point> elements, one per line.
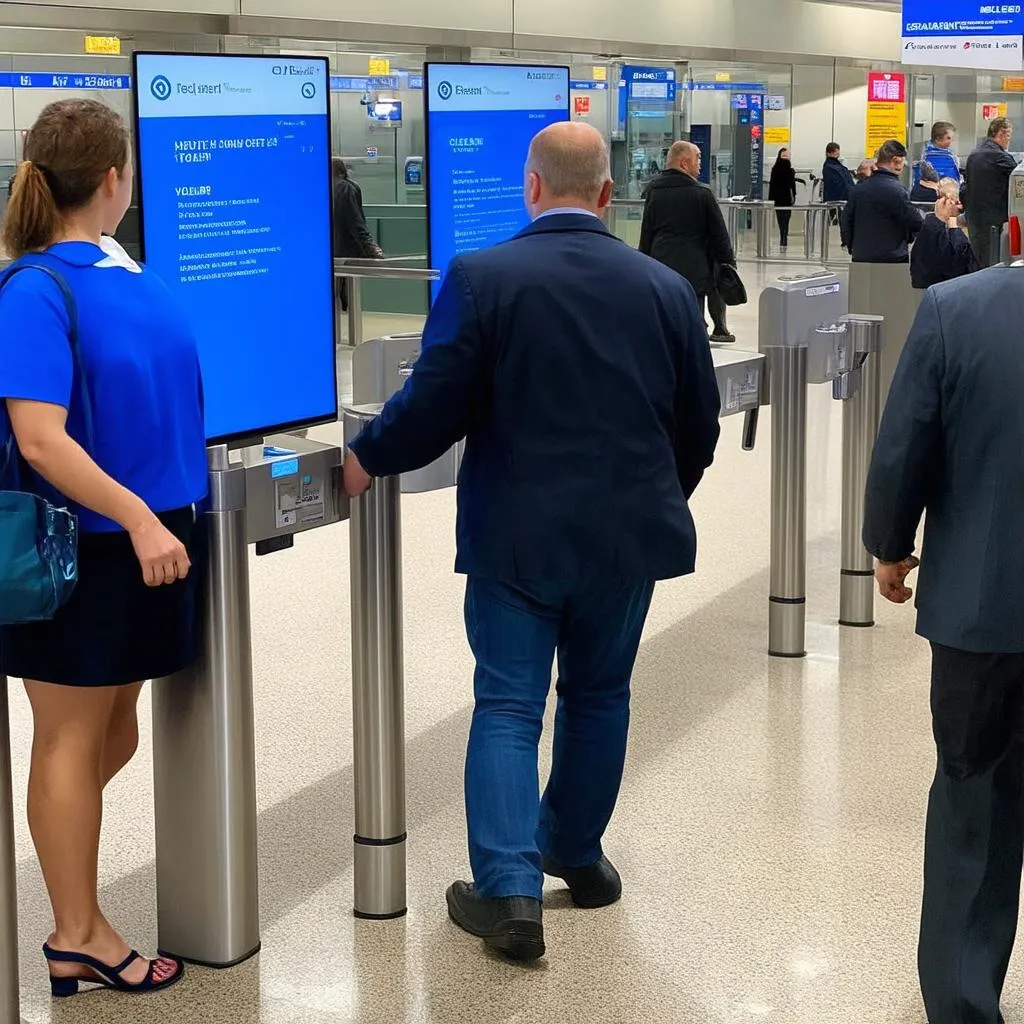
<point>204,757</point>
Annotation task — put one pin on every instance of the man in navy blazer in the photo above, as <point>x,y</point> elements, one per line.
<point>580,375</point>
<point>949,447</point>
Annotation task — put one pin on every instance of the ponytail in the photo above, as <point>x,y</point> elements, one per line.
<point>32,220</point>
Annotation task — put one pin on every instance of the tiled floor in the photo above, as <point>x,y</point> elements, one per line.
<point>769,830</point>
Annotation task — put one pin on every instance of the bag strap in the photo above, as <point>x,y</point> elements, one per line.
<point>71,309</point>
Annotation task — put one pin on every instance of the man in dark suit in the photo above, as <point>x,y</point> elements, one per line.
<point>988,187</point>
<point>880,221</point>
<point>683,228</point>
<point>580,375</point>
<point>950,446</point>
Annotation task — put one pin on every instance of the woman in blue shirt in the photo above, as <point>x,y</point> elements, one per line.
<point>133,477</point>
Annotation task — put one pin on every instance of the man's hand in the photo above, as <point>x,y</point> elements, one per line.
<point>357,480</point>
<point>891,577</point>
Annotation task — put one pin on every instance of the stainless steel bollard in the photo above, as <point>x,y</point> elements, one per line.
<point>204,760</point>
<point>826,231</point>
<point>764,231</point>
<point>9,991</point>
<point>862,405</point>
<point>788,567</point>
<point>809,227</point>
<point>355,311</point>
<point>378,693</point>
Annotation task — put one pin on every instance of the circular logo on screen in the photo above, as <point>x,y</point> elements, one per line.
<point>444,90</point>
<point>160,87</point>
<point>308,90</point>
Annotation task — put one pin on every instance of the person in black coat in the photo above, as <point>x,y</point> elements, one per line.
<point>782,192</point>
<point>942,250</point>
<point>880,221</point>
<point>927,188</point>
<point>988,187</point>
<point>683,227</point>
<point>352,238</point>
<point>836,178</point>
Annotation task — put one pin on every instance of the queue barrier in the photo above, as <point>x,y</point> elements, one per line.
<point>355,271</point>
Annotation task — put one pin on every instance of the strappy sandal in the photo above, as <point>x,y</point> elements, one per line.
<point>107,976</point>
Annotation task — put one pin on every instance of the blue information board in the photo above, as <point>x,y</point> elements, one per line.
<point>961,17</point>
<point>234,180</point>
<point>62,80</point>
<point>480,120</point>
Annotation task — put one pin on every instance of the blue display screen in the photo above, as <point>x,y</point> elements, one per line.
<point>481,119</point>
<point>234,181</point>
<point>961,17</point>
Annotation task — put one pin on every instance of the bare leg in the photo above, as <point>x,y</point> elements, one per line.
<point>122,739</point>
<point>65,810</point>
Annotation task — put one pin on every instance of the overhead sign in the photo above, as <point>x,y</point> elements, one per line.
<point>62,80</point>
<point>961,18</point>
<point>103,44</point>
<point>725,86</point>
<point>583,85</point>
<point>480,121</point>
<point>249,261</point>
<point>649,83</point>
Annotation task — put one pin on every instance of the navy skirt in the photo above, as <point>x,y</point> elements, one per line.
<point>115,630</point>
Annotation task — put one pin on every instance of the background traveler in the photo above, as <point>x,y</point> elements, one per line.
<point>580,374</point>
<point>836,178</point>
<point>987,194</point>
<point>683,227</point>
<point>879,220</point>
<point>134,614</point>
<point>352,238</point>
<point>949,449</point>
<point>942,250</point>
<point>927,188</point>
<point>940,153</point>
<point>782,192</point>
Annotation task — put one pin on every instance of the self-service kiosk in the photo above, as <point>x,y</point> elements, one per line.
<point>254,273</point>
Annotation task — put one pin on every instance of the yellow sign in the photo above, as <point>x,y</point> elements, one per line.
<point>776,136</point>
<point>102,44</point>
<point>723,76</point>
<point>885,121</point>
<point>600,73</point>
<point>380,66</point>
<point>1013,84</point>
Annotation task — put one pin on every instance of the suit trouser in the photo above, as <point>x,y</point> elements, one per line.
<point>981,243</point>
<point>715,307</point>
<point>515,631</point>
<point>783,217</point>
<point>974,839</point>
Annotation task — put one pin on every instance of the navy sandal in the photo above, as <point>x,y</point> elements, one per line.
<point>105,975</point>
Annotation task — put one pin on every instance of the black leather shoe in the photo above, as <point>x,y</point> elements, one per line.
<point>597,885</point>
<point>511,924</point>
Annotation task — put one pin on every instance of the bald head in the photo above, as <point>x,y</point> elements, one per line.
<point>684,156</point>
<point>568,166</point>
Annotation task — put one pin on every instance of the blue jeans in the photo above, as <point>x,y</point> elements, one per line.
<point>515,631</point>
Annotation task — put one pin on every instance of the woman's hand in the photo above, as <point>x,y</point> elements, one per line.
<point>162,556</point>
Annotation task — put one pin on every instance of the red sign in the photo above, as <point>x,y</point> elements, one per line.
<point>886,87</point>
<point>582,106</point>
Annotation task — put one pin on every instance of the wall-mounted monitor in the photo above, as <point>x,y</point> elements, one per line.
<point>480,121</point>
<point>234,183</point>
<point>385,112</point>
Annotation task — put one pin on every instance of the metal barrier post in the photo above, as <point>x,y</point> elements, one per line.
<point>355,311</point>
<point>732,223</point>
<point>862,403</point>
<point>9,992</point>
<point>204,759</point>
<point>764,231</point>
<point>809,228</point>
<point>787,376</point>
<point>826,232</point>
<point>378,693</point>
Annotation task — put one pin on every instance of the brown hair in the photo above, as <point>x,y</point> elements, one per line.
<point>69,149</point>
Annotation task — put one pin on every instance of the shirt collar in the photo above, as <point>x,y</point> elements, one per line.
<point>561,211</point>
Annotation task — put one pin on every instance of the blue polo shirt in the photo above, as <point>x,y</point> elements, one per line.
<point>141,367</point>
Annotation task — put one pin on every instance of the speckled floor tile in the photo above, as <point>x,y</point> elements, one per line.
<point>769,830</point>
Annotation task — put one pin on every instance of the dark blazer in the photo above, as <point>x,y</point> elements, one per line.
<point>921,193</point>
<point>683,228</point>
<point>352,237</point>
<point>940,254</point>
<point>580,374</point>
<point>836,181</point>
<point>988,185</point>
<point>782,183</point>
<point>950,446</point>
<point>879,220</point>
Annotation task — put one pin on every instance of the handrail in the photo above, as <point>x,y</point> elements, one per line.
<point>359,270</point>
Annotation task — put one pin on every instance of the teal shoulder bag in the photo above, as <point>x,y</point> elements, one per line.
<point>38,541</point>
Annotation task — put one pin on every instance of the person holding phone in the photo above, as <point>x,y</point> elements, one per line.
<point>132,469</point>
<point>942,250</point>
